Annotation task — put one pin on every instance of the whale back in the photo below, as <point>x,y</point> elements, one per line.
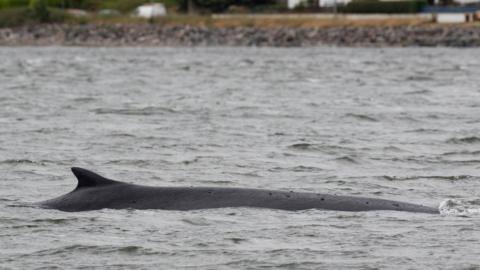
<point>88,179</point>
<point>95,192</point>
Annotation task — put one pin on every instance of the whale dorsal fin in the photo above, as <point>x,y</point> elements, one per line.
<point>87,178</point>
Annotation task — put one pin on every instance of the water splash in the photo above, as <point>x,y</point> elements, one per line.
<point>454,207</point>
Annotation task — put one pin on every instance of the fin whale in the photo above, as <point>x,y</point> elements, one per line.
<point>94,192</point>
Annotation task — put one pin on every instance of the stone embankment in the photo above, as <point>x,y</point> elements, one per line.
<point>184,35</point>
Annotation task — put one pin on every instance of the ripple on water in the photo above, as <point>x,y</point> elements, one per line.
<point>426,130</point>
<point>420,78</point>
<point>326,119</point>
<point>94,249</point>
<point>361,117</point>
<point>419,92</point>
<point>40,162</point>
<point>347,160</point>
<point>327,148</point>
<point>145,111</point>
<point>462,153</point>
<point>421,177</point>
<point>464,140</point>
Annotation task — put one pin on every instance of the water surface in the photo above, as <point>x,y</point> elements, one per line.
<point>399,124</point>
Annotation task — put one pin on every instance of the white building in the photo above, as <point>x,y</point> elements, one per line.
<point>463,2</point>
<point>293,3</point>
<point>332,3</point>
<point>322,3</point>
<point>151,10</point>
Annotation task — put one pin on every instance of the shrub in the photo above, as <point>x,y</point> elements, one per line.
<point>223,5</point>
<point>57,3</point>
<point>13,3</point>
<point>59,15</point>
<point>39,10</point>
<point>376,6</point>
<point>10,17</point>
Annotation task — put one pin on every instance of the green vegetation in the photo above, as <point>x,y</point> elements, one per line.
<point>13,3</point>
<point>39,10</point>
<point>14,16</point>
<point>21,12</point>
<point>4,4</point>
<point>376,6</point>
<point>225,5</point>
<point>92,5</point>
<point>125,6</point>
<point>32,11</point>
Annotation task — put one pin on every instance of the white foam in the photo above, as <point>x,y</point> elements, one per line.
<point>453,207</point>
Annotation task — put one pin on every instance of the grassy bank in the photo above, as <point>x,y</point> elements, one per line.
<point>22,16</point>
<point>305,21</point>
<point>11,17</point>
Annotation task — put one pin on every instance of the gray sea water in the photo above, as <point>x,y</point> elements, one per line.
<point>399,124</point>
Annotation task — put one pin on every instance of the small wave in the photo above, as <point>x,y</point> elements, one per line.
<point>135,162</point>
<point>49,130</point>
<point>332,149</point>
<point>301,146</point>
<point>248,61</point>
<point>94,249</point>
<point>463,153</point>
<point>43,162</point>
<point>22,205</point>
<point>453,207</point>
<point>464,140</point>
<point>18,161</point>
<point>306,169</point>
<point>190,161</point>
<point>236,240</point>
<point>247,174</point>
<point>130,249</point>
<point>120,135</point>
<point>299,168</point>
<point>2,99</point>
<point>196,221</point>
<point>217,182</point>
<point>463,162</point>
<point>408,118</point>
<point>419,78</point>
<point>444,177</point>
<point>419,92</point>
<point>362,117</point>
<point>393,149</point>
<point>424,130</point>
<point>347,159</point>
<point>277,134</point>
<point>84,99</point>
<point>55,220</point>
<point>136,111</point>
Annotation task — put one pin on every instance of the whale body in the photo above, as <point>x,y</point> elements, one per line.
<point>94,192</point>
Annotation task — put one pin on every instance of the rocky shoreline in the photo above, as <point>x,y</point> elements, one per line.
<point>184,35</point>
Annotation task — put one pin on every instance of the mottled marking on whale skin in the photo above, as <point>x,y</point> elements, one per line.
<point>94,192</point>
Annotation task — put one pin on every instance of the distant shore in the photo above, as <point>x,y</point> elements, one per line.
<point>144,34</point>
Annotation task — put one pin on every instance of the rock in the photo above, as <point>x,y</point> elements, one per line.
<point>185,35</point>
